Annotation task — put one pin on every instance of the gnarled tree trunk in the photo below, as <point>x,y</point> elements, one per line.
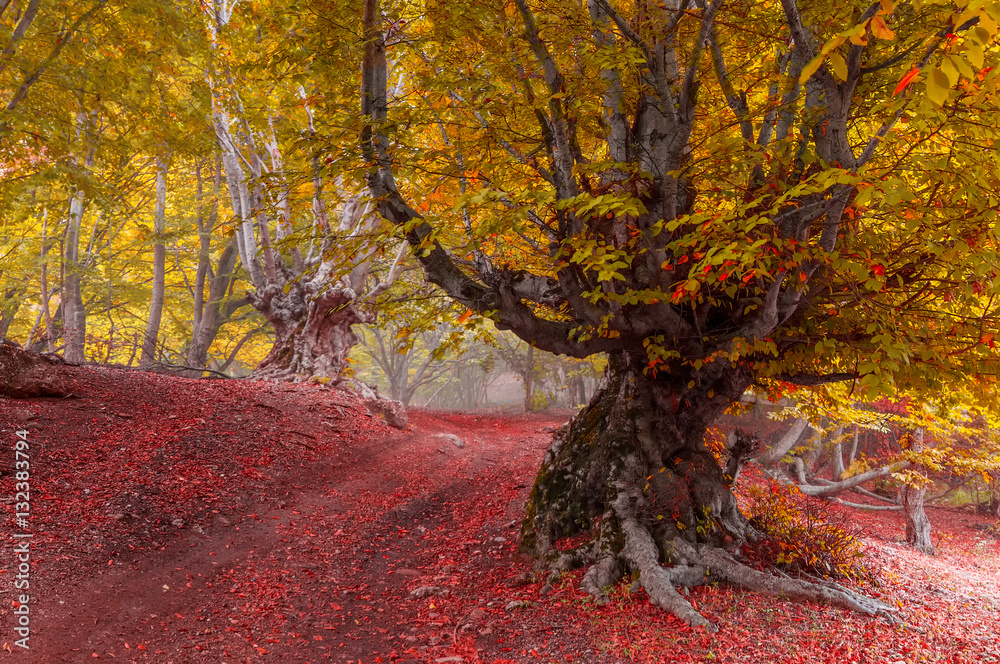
<point>637,427</point>
<point>633,470</point>
<point>312,324</point>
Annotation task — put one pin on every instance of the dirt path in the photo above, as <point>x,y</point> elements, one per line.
<point>313,555</point>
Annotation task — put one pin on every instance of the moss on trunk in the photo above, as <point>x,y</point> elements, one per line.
<point>641,434</point>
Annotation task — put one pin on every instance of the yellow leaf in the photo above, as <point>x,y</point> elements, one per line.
<point>950,70</point>
<point>962,66</point>
<point>938,86</point>
<point>881,30</point>
<point>857,34</point>
<point>975,54</point>
<point>839,66</point>
<point>810,69</point>
<point>832,44</point>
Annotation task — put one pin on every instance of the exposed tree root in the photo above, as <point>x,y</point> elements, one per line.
<point>722,565</point>
<point>696,565</point>
<point>642,555</point>
<point>691,565</point>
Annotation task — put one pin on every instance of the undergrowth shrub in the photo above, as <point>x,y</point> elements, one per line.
<point>802,536</point>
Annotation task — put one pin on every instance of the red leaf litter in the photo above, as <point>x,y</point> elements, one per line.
<point>179,520</point>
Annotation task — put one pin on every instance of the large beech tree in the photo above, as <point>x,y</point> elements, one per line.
<point>721,196</point>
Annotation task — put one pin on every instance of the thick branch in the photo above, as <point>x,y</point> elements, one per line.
<point>61,42</point>
<point>851,482</point>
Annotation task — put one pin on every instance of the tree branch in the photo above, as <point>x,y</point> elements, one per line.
<point>812,380</point>
<point>686,100</point>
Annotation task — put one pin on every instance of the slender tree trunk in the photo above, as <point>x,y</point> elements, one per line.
<point>12,299</point>
<point>918,526</point>
<point>74,313</point>
<point>204,243</point>
<point>528,376</point>
<point>853,454</point>
<point>396,374</point>
<point>216,310</point>
<point>46,294</point>
<point>148,357</point>
<point>210,315</point>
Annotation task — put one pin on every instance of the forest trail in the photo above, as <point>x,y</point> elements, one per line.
<point>177,520</point>
<point>271,523</point>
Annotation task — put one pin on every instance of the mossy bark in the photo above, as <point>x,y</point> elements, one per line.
<point>643,435</point>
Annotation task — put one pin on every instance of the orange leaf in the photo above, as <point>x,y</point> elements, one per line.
<point>881,30</point>
<point>464,317</point>
<point>906,80</point>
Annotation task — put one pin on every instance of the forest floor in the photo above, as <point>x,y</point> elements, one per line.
<point>177,520</point>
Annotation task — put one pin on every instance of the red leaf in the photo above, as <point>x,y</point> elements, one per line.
<point>905,81</point>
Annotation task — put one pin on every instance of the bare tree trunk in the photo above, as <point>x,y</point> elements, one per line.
<point>159,268</point>
<point>528,376</point>
<point>216,310</point>
<point>854,446</point>
<point>837,455</point>
<point>74,313</point>
<point>775,453</point>
<point>46,294</point>
<point>210,315</point>
<point>12,299</point>
<point>204,240</point>
<point>918,526</point>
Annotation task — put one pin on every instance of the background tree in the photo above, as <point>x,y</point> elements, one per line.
<point>309,303</point>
